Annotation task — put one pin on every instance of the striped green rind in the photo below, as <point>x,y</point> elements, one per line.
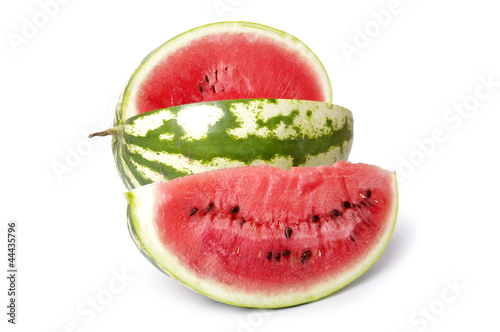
<point>126,104</point>
<point>193,138</point>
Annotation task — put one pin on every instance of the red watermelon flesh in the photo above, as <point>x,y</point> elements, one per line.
<point>266,237</point>
<point>224,61</point>
<point>228,66</point>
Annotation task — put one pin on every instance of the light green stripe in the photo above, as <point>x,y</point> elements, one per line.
<point>190,166</point>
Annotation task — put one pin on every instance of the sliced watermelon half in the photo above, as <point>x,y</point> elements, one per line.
<point>260,236</point>
<point>164,144</point>
<point>223,61</point>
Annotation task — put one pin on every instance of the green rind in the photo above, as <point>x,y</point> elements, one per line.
<point>279,132</point>
<point>173,44</point>
<point>167,263</point>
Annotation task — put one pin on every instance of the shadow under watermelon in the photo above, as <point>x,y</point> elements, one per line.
<point>394,251</point>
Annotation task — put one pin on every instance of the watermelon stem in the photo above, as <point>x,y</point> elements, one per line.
<point>111,131</point>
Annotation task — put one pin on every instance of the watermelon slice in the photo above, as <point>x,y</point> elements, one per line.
<point>260,236</point>
<point>164,144</point>
<point>223,61</point>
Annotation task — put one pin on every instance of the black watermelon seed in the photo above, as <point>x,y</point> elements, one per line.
<point>286,253</point>
<point>363,202</point>
<point>278,255</point>
<point>234,210</point>
<point>305,256</point>
<point>242,221</point>
<point>315,218</point>
<point>288,232</point>
<point>209,207</point>
<point>201,88</point>
<point>352,239</point>
<point>368,193</point>
<point>206,78</point>
<point>336,213</point>
<point>193,211</point>
<point>269,255</point>
<point>346,204</point>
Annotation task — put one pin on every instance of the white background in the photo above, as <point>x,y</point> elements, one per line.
<point>405,83</point>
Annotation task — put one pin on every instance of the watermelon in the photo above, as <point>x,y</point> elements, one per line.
<point>260,236</point>
<point>224,61</point>
<point>186,139</point>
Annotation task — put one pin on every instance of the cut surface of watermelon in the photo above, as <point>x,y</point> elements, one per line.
<point>222,61</point>
<point>260,236</point>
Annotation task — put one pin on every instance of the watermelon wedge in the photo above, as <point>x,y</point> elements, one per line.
<point>223,61</point>
<point>260,236</point>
